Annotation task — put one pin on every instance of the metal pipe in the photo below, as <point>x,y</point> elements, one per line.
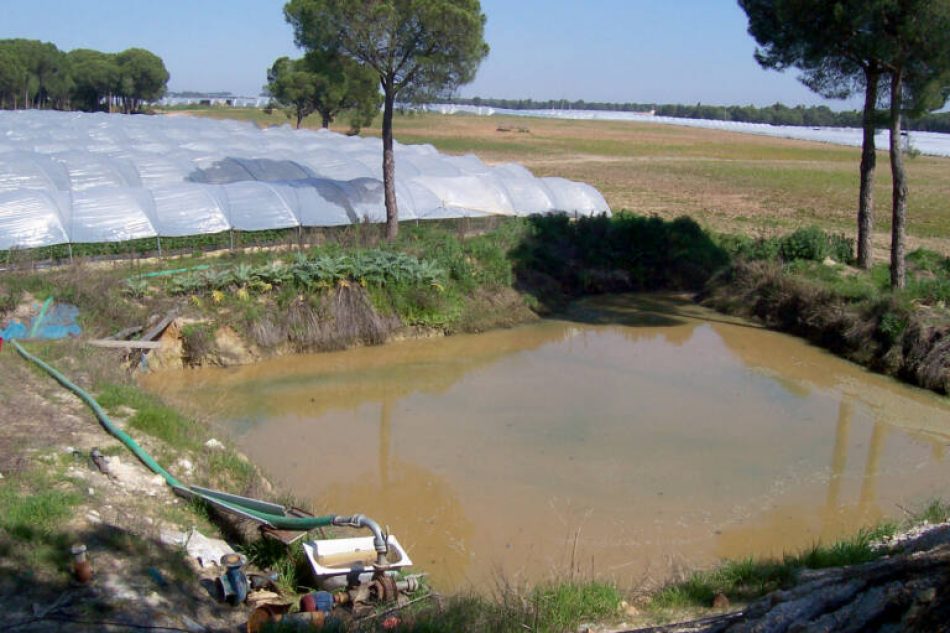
<point>360,520</point>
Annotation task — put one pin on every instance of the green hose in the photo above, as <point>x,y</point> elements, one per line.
<point>40,317</point>
<point>166,273</point>
<point>228,502</point>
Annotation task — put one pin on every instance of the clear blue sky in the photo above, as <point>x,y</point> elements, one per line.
<point>646,51</point>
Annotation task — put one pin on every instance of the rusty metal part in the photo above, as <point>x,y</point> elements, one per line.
<point>265,614</point>
<point>82,568</point>
<point>383,589</point>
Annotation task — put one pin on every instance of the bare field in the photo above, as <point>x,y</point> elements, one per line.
<point>728,181</point>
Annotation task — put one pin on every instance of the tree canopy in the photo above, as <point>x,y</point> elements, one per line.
<point>142,77</point>
<point>832,43</point>
<point>898,48</point>
<point>36,74</point>
<point>96,78</point>
<point>327,84</point>
<point>416,48</point>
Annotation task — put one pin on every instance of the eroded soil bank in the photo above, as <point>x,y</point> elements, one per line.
<point>911,343</point>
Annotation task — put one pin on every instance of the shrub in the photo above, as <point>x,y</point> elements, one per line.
<point>623,252</point>
<point>811,243</point>
<point>197,340</point>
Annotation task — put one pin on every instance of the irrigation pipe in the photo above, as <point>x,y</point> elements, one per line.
<point>166,273</point>
<point>250,508</point>
<point>40,317</point>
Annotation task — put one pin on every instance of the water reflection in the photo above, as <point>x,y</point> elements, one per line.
<point>431,521</point>
<point>637,435</point>
<point>792,527</point>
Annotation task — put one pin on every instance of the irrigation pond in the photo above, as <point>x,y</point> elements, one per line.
<point>632,438</point>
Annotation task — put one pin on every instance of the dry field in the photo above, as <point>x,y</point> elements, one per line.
<point>728,181</point>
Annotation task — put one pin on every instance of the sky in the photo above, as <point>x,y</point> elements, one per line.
<point>642,51</point>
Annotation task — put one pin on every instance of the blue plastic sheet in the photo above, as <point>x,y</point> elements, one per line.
<point>59,321</point>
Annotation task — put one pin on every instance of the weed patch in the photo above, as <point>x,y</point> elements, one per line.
<point>33,507</point>
<point>547,608</point>
<point>151,416</point>
<point>747,579</point>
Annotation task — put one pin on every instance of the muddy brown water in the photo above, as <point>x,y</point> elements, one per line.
<point>633,439</point>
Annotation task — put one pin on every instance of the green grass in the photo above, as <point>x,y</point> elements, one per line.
<point>747,579</point>
<point>551,608</point>
<point>151,416</point>
<point>937,511</point>
<point>34,507</point>
<point>294,574</point>
<point>37,513</point>
<point>179,436</point>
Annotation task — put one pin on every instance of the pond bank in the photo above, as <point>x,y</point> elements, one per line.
<point>909,342</point>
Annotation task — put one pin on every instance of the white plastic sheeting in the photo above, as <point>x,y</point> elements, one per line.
<point>930,143</point>
<point>73,177</point>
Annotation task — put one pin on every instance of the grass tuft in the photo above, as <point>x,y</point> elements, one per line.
<point>937,511</point>
<point>151,416</point>
<point>549,608</point>
<point>747,579</point>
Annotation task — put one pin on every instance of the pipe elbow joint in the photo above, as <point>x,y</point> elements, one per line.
<point>363,521</point>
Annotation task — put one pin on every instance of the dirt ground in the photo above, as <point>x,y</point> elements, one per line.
<point>137,579</point>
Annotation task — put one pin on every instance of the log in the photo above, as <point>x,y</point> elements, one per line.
<point>105,342</point>
<point>127,332</point>
<point>156,330</point>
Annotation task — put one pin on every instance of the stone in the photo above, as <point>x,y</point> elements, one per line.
<point>154,600</point>
<point>207,551</point>
<point>173,537</point>
<point>214,445</point>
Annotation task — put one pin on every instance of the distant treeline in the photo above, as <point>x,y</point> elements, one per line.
<point>192,94</point>
<point>36,74</point>
<point>778,114</point>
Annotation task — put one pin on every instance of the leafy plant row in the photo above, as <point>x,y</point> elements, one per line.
<point>368,268</point>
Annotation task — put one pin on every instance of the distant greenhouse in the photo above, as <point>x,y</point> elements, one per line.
<point>81,178</point>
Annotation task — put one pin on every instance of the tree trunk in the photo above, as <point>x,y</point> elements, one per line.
<point>326,119</point>
<point>300,116</point>
<point>899,190</point>
<point>868,164</point>
<point>389,163</point>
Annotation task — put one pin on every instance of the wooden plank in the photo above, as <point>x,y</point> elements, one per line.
<point>104,342</point>
<point>121,335</point>
<point>156,330</point>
